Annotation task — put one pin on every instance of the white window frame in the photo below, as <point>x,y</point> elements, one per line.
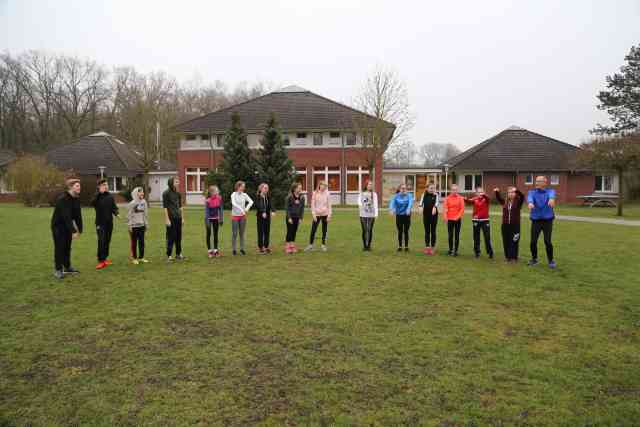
<point>303,171</point>
<point>360,172</point>
<point>326,172</point>
<point>474,183</point>
<point>528,181</point>
<point>555,181</point>
<point>613,189</point>
<point>198,173</point>
<point>111,183</point>
<point>314,135</point>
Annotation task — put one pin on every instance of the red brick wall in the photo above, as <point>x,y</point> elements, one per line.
<point>491,180</point>
<point>571,185</point>
<point>8,198</point>
<point>305,158</point>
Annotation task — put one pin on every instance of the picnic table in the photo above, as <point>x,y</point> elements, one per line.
<point>599,199</point>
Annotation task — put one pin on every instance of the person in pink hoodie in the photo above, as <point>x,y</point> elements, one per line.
<point>321,213</point>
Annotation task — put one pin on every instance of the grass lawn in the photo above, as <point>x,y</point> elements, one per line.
<point>630,211</point>
<point>337,338</point>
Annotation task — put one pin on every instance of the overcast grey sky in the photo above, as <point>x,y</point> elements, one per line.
<point>472,68</point>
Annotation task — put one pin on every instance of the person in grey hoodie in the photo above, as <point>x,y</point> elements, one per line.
<point>138,221</point>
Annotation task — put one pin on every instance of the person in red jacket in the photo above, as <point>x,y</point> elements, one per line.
<point>481,221</point>
<point>453,211</point>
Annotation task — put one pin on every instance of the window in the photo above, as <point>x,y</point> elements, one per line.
<point>285,139</point>
<point>357,178</point>
<point>301,135</point>
<point>350,138</point>
<point>604,184</point>
<point>317,139</point>
<point>528,179</point>
<point>191,137</point>
<point>471,182</point>
<point>204,137</point>
<point>554,179</point>
<point>334,135</point>
<point>328,174</point>
<point>116,183</point>
<point>410,182</point>
<point>196,179</point>
<point>301,177</point>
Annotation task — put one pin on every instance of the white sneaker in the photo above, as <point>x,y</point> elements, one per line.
<point>308,248</point>
<point>143,260</point>
<point>324,248</point>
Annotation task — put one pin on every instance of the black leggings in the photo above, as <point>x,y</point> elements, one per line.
<point>430,224</point>
<point>174,236</point>
<point>511,240</point>
<point>403,223</point>
<point>292,229</point>
<point>104,232</point>
<point>367,230</point>
<point>264,229</point>
<point>485,227</point>
<point>212,225</point>
<point>453,227</point>
<point>137,239</point>
<point>314,228</point>
<point>546,227</point>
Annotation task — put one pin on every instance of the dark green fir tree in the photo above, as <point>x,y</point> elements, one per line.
<point>274,166</point>
<point>239,163</point>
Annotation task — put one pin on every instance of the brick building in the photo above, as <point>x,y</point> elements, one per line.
<point>516,156</point>
<point>320,136</point>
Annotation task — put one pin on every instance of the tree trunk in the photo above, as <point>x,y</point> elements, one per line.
<point>620,191</point>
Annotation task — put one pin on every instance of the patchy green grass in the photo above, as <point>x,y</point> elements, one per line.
<point>629,211</point>
<point>337,338</point>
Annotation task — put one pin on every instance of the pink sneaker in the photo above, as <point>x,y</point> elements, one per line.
<point>210,254</point>
<point>294,248</point>
<point>287,248</point>
<point>431,251</point>
<point>426,250</point>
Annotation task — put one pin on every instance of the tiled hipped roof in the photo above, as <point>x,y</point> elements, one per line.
<point>295,108</point>
<point>99,149</point>
<point>517,149</point>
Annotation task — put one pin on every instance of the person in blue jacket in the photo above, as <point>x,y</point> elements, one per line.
<point>400,206</point>
<point>541,202</point>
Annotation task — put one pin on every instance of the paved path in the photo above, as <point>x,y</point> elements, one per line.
<point>593,220</point>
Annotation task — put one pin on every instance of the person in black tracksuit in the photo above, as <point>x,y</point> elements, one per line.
<point>429,205</point>
<point>66,225</point>
<point>511,208</point>
<point>294,208</point>
<point>173,218</point>
<point>106,208</point>
<point>264,211</point>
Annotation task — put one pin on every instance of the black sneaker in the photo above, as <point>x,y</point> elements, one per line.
<point>532,262</point>
<point>491,256</point>
<point>455,253</point>
<point>58,274</point>
<point>70,270</point>
<point>234,253</point>
<point>477,255</point>
<point>406,249</point>
<point>399,249</point>
<point>242,252</point>
<point>450,253</point>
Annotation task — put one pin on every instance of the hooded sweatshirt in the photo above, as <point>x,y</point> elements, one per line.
<point>263,205</point>
<point>401,203</point>
<point>454,207</point>
<point>295,206</point>
<point>67,213</point>
<point>172,201</point>
<point>137,211</point>
<point>368,203</point>
<point>105,206</point>
<point>213,208</point>
<point>321,203</point>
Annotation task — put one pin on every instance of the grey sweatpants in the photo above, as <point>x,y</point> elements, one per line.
<point>238,227</point>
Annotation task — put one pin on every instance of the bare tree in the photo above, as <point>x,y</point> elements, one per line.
<point>384,97</point>
<point>434,153</point>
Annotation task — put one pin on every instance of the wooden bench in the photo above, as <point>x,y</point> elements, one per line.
<point>600,199</point>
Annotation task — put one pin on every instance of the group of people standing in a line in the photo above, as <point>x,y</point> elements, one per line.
<point>540,201</point>
<point>66,223</point>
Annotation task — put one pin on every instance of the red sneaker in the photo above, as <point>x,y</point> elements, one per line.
<point>426,250</point>
<point>101,265</point>
<point>108,262</point>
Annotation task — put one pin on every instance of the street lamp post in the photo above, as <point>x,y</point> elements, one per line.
<point>446,179</point>
<point>101,169</point>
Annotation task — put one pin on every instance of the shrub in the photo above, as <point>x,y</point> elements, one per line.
<point>36,182</point>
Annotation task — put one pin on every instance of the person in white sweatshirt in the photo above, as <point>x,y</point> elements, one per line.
<point>368,204</point>
<point>138,221</point>
<point>240,205</point>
